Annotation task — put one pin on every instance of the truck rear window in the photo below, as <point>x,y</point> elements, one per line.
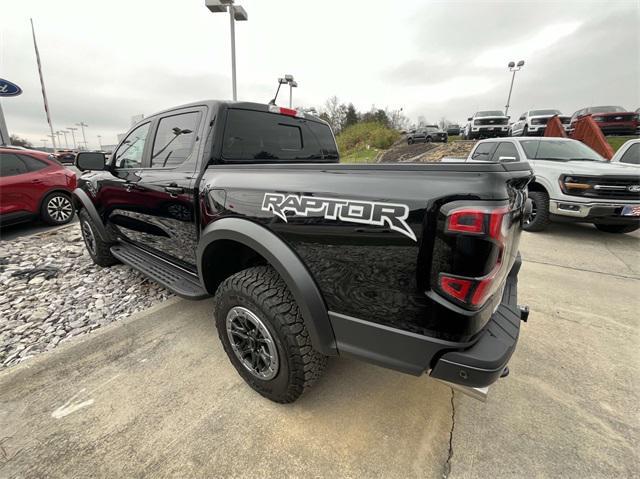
<point>260,136</point>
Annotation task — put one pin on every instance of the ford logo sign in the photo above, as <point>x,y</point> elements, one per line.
<point>9,89</point>
<point>634,188</point>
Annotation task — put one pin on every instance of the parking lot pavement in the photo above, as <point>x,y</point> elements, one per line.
<point>156,396</point>
<point>570,405</point>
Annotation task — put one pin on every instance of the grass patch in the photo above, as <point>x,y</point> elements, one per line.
<point>360,155</point>
<point>360,143</point>
<point>617,141</point>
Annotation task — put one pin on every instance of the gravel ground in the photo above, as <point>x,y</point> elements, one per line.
<point>400,152</point>
<point>38,312</point>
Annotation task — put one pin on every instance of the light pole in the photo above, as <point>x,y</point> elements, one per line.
<point>44,143</point>
<point>100,141</point>
<point>73,136</point>
<point>292,84</point>
<point>236,12</point>
<point>64,133</point>
<point>84,138</point>
<point>512,68</point>
<point>58,135</point>
<point>53,140</point>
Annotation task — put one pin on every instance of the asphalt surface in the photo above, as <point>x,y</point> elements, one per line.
<point>11,232</point>
<point>155,395</point>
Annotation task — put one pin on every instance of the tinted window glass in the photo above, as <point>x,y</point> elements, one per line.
<point>632,155</point>
<point>483,151</point>
<point>33,164</point>
<point>324,137</point>
<point>506,149</point>
<point>254,135</point>
<point>129,154</point>
<point>606,109</point>
<point>559,150</point>
<point>544,112</point>
<point>11,165</point>
<point>490,113</point>
<point>174,139</point>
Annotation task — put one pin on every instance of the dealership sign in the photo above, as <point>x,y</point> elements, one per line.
<point>9,89</point>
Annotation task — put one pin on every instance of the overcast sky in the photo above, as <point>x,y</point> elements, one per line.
<point>107,61</point>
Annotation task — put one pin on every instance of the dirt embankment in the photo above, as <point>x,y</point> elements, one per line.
<point>400,152</point>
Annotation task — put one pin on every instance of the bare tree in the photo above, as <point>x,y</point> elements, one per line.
<point>397,119</point>
<point>444,123</point>
<point>335,113</point>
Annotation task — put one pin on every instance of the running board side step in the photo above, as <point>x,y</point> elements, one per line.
<point>175,279</point>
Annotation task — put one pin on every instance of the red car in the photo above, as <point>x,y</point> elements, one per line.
<point>34,185</point>
<point>612,120</point>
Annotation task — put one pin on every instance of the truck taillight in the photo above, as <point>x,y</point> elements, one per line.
<point>484,221</point>
<point>488,224</point>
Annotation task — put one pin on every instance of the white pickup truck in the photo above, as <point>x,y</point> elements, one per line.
<point>534,122</point>
<point>572,182</point>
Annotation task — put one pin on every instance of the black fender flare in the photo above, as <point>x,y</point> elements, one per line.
<point>81,198</point>
<point>290,268</point>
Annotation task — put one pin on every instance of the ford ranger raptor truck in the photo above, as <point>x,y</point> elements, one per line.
<point>412,267</point>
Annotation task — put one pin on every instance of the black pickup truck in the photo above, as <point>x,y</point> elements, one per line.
<point>412,267</point>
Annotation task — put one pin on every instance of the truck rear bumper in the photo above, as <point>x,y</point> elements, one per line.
<point>477,364</point>
<point>483,363</point>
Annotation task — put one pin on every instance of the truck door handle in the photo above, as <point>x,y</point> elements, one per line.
<point>174,190</point>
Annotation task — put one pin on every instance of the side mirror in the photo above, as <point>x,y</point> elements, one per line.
<point>90,161</point>
<point>506,158</point>
<point>469,119</point>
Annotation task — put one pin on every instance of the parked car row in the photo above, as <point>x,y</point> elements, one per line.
<point>572,182</point>
<point>612,120</point>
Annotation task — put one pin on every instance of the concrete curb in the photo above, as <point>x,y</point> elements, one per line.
<point>79,341</point>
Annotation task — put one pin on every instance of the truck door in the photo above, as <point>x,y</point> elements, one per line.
<point>165,221</point>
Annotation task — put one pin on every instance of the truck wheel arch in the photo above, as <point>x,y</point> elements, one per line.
<point>536,186</point>
<point>82,201</point>
<point>227,236</point>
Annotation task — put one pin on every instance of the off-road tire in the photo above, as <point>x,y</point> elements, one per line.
<point>64,200</point>
<point>410,141</point>
<point>617,228</point>
<point>261,290</point>
<point>100,253</point>
<point>540,201</point>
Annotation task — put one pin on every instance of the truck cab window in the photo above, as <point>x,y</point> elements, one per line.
<point>254,135</point>
<point>174,139</point>
<point>129,153</point>
<point>483,151</point>
<point>506,150</point>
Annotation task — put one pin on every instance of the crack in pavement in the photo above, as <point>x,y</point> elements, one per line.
<point>447,464</point>
<point>623,276</point>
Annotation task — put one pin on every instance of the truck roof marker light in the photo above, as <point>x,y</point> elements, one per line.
<point>285,111</point>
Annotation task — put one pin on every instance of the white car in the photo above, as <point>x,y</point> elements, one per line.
<point>628,153</point>
<point>534,122</point>
<point>572,182</point>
